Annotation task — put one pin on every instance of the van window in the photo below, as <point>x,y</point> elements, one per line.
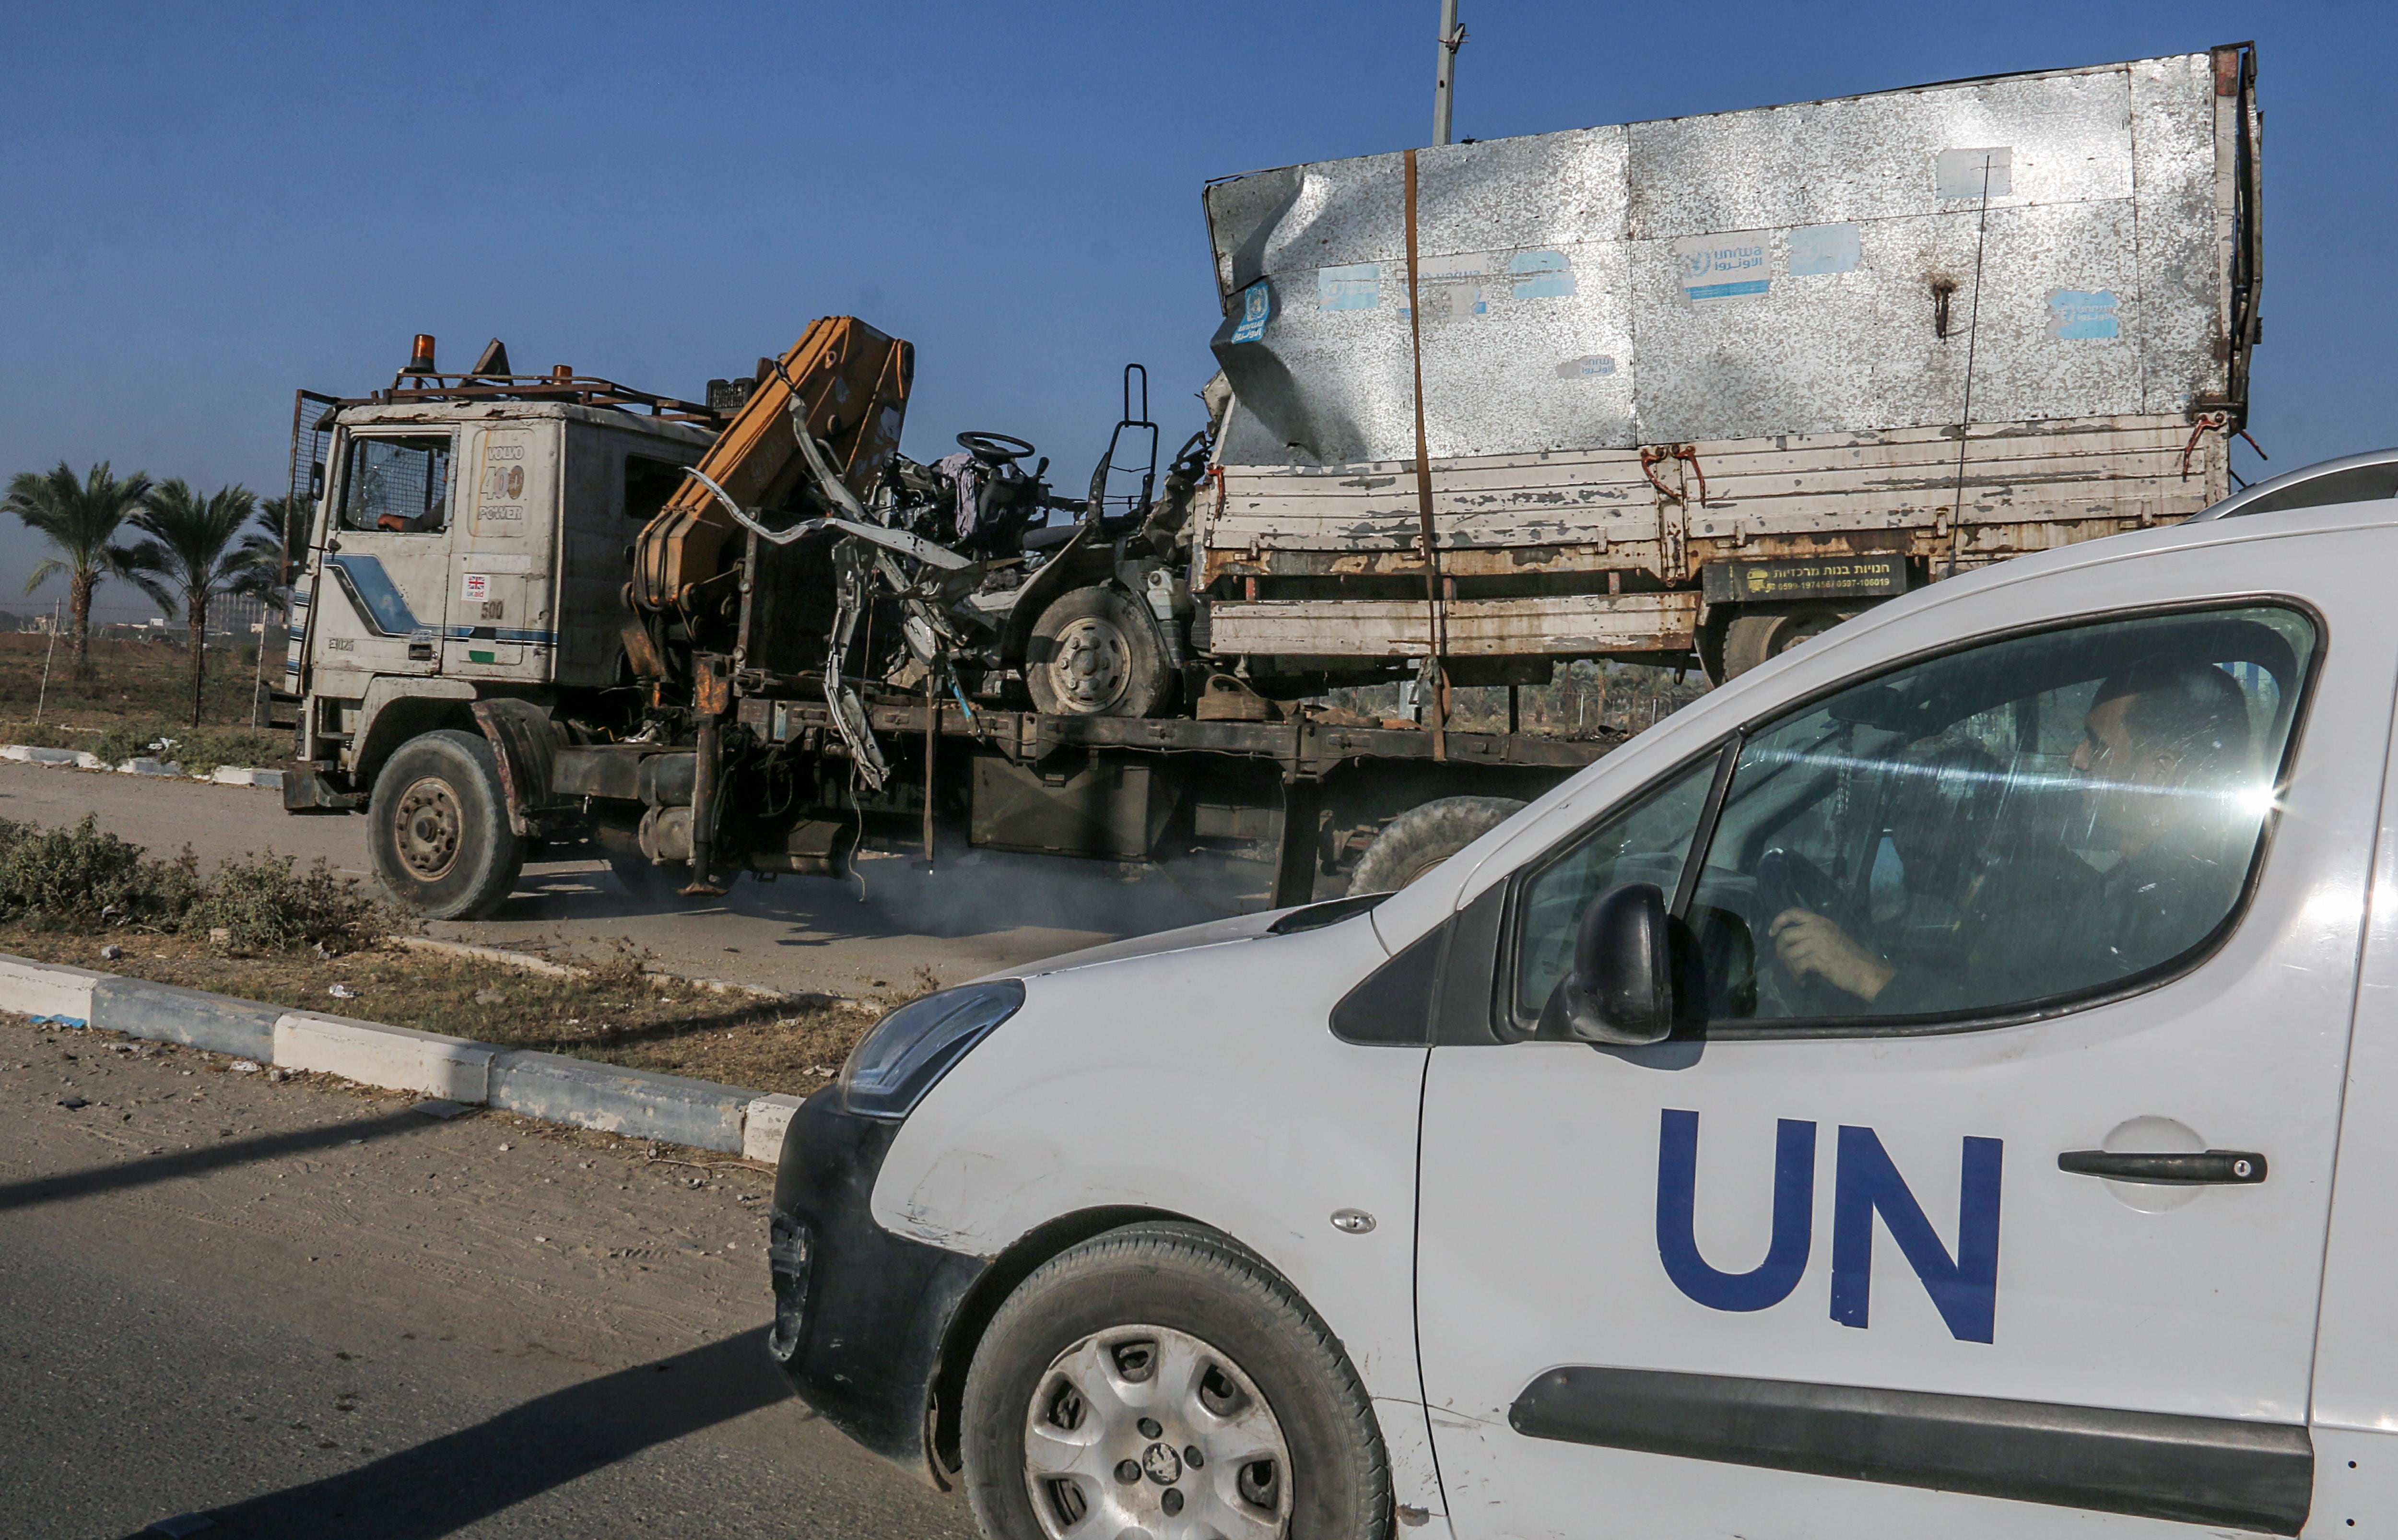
<point>398,485</point>
<point>1647,843</point>
<point>1992,830</point>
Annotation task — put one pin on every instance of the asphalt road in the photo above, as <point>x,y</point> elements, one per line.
<point>305,1310</point>
<point>973,912</point>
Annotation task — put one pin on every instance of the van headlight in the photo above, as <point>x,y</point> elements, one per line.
<point>908,1050</point>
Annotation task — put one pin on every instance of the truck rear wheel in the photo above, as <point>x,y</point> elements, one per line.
<point>1095,653</point>
<point>1758,637</point>
<point>1422,838</point>
<point>438,828</point>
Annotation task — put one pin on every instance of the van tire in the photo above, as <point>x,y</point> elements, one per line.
<point>1182,1278</point>
<point>1422,837</point>
<point>1095,652</point>
<point>438,828</point>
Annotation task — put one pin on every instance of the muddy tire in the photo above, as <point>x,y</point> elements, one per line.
<point>438,828</point>
<point>1121,1358</point>
<point>1422,838</point>
<point>1096,653</point>
<point>1760,636</point>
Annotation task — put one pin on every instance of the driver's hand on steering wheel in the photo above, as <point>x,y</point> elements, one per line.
<point>1808,943</point>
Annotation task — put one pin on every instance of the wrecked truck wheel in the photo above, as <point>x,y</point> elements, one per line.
<point>1758,636</point>
<point>438,828</point>
<point>1095,653</point>
<point>1422,838</point>
<point>1162,1379</point>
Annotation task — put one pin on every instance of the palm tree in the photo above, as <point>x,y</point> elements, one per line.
<point>82,519</point>
<point>197,551</point>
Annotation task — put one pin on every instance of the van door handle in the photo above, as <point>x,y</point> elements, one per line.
<point>2237,1168</point>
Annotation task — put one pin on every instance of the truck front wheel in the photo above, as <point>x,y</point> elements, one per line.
<point>438,828</point>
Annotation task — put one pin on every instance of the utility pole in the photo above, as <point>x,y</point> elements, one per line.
<point>1452,37</point>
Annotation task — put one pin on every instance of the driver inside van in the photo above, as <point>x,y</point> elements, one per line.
<point>2165,746</point>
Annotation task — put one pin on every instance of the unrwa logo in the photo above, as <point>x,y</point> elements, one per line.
<point>1964,1287</point>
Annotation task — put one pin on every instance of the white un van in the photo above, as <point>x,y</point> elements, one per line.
<point>1943,1082</point>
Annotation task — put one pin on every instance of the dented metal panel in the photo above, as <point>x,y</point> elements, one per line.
<point>1742,275</point>
<point>1598,511</point>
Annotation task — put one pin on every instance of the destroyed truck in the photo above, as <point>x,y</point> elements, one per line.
<point>1689,391</point>
<point>1709,385</point>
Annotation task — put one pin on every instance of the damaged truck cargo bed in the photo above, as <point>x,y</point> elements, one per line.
<point>1686,392</point>
<point>1713,383</point>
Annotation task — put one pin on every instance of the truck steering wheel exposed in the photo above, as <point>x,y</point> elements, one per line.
<point>994,449</point>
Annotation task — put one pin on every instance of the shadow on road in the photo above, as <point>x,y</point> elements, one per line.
<point>441,1487</point>
<point>968,892</point>
<point>156,1169</point>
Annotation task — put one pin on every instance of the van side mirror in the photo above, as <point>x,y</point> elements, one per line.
<point>1621,987</point>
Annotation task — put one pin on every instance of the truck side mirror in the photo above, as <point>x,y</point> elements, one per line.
<point>1620,988</point>
<point>316,483</point>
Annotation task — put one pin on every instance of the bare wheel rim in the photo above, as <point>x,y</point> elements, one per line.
<point>1091,665</point>
<point>426,827</point>
<point>1147,1430</point>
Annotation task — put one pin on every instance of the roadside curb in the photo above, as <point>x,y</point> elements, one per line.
<point>553,1087</point>
<point>79,759</point>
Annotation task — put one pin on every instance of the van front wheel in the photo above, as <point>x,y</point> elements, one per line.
<point>438,831</point>
<point>1162,1379</point>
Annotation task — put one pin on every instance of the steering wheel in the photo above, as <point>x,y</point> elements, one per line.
<point>994,449</point>
<point>1787,879</point>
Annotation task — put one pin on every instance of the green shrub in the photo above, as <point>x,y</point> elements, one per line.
<point>84,876</point>
<point>263,907</point>
<point>72,873</point>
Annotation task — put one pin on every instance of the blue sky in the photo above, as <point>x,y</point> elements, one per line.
<point>206,206</point>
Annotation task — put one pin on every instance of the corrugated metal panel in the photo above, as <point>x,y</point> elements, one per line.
<point>1561,310</point>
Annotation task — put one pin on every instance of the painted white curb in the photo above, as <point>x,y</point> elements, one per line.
<point>554,1088</point>
<point>397,1057</point>
<point>73,759</point>
<point>42,989</point>
<point>77,759</point>
<point>763,1123</point>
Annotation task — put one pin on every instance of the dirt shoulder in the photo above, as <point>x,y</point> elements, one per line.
<point>615,1014</point>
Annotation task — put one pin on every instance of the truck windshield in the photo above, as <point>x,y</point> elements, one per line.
<point>398,485</point>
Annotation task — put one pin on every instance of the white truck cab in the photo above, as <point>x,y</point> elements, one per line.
<point>1943,1082</point>
<point>468,549</point>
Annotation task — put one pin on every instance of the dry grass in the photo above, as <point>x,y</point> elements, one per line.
<point>138,692</point>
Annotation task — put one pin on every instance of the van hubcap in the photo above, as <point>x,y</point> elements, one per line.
<point>1148,1430</point>
<point>426,826</point>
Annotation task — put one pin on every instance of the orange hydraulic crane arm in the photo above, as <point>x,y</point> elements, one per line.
<point>852,382</point>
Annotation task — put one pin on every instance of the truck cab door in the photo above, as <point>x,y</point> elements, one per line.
<point>501,625</point>
<point>379,599</point>
<point>2019,886</point>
